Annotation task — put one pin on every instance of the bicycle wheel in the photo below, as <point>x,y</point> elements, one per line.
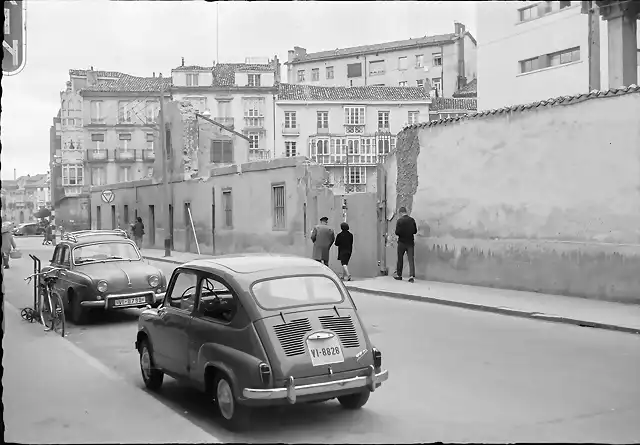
<point>46,315</point>
<point>57,319</point>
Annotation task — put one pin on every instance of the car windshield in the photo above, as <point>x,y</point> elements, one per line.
<point>105,251</point>
<point>280,293</point>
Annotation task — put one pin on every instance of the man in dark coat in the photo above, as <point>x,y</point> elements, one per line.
<point>138,232</point>
<point>323,237</point>
<point>405,230</point>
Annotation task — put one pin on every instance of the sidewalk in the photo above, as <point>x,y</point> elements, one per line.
<point>56,393</point>
<point>556,308</point>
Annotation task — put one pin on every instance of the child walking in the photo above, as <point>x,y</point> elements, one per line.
<point>344,241</point>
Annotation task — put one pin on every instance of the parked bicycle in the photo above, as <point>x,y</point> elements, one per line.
<point>50,308</point>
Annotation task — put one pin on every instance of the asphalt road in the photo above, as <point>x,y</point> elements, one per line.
<point>455,375</point>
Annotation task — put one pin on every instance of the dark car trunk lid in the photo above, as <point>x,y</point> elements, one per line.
<point>286,339</point>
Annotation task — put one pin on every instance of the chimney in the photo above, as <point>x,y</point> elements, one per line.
<point>459,28</point>
<point>276,63</point>
<point>291,54</point>
<point>299,51</point>
<point>154,74</point>
<point>183,61</point>
<point>462,80</point>
<point>92,77</point>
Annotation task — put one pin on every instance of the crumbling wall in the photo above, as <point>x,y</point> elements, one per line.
<point>189,149</point>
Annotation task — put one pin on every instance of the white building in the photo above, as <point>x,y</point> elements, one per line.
<point>530,51</point>
<point>349,130</point>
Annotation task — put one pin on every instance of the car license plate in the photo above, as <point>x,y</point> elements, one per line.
<point>325,351</point>
<point>130,301</point>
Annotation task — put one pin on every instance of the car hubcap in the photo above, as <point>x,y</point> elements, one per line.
<point>225,399</point>
<point>145,363</point>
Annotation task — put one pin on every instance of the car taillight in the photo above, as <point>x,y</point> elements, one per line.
<point>377,358</point>
<point>265,373</point>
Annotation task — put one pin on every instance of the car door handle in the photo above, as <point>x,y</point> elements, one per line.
<point>162,311</point>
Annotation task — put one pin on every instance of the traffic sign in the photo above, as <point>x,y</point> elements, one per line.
<point>107,196</point>
<point>14,44</point>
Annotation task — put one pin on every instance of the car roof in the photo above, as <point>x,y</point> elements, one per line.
<point>254,263</point>
<point>91,236</point>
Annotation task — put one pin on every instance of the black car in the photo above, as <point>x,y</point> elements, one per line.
<point>28,229</point>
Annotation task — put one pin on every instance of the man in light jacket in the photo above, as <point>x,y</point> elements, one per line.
<point>323,237</point>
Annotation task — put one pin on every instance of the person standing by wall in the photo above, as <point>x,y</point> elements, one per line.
<point>8,244</point>
<point>344,242</point>
<point>405,230</point>
<point>138,232</point>
<point>322,237</point>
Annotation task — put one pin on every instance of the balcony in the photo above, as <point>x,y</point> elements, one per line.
<point>354,159</point>
<point>72,190</point>
<point>148,155</point>
<point>354,128</point>
<point>125,154</point>
<point>253,123</point>
<point>259,155</point>
<point>290,131</point>
<point>226,121</point>
<point>98,121</point>
<point>98,155</point>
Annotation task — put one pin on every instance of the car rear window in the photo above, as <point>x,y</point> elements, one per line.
<point>280,293</point>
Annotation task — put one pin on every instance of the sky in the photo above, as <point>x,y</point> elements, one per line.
<point>140,37</point>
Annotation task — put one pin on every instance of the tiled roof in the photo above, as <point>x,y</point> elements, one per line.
<point>83,73</point>
<point>562,100</point>
<point>193,68</point>
<point>127,83</point>
<point>310,93</point>
<point>469,90</point>
<point>387,46</point>
<point>451,103</point>
<point>224,74</point>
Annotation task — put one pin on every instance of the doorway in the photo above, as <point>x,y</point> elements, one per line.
<point>152,225</point>
<point>113,218</point>
<point>99,217</point>
<point>171,225</point>
<point>187,223</point>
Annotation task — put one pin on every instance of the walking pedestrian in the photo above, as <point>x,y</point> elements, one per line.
<point>344,242</point>
<point>323,237</point>
<point>138,232</point>
<point>405,229</point>
<point>8,244</point>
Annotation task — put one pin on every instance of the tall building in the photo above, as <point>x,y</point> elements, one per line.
<point>531,51</point>
<point>349,130</point>
<point>239,96</point>
<point>441,62</point>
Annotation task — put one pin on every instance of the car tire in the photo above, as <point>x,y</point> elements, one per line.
<point>235,417</point>
<point>355,401</point>
<point>78,313</point>
<point>151,376</point>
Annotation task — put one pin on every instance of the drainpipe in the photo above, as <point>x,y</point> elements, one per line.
<point>365,70</point>
<point>442,76</point>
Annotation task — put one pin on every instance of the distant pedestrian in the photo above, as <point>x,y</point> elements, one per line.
<point>323,237</point>
<point>48,234</point>
<point>8,244</point>
<point>138,232</point>
<point>344,242</point>
<point>405,229</point>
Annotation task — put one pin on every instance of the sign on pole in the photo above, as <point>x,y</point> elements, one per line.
<point>107,196</point>
<point>14,44</point>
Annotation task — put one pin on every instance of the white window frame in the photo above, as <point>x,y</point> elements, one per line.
<point>330,72</point>
<point>301,75</point>
<point>437,84</point>
<point>150,143</point>
<point>403,63</point>
<point>290,119</point>
<point>383,118</point>
<point>254,140</point>
<point>192,79</point>
<point>437,59</point>
<point>376,68</point>
<point>354,115</point>
<point>125,173</point>
<point>102,179</point>
<point>420,83</point>
<point>127,112</point>
<point>315,74</point>
<point>150,111</point>
<point>402,83</point>
<point>66,175</point>
<point>124,143</point>
<point>413,117</point>
<point>322,119</point>
<point>419,61</point>
<point>253,80</point>
<point>357,172</point>
<point>97,106</point>
<point>290,149</point>
<point>98,143</point>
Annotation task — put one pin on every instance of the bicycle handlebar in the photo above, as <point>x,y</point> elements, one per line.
<point>37,274</point>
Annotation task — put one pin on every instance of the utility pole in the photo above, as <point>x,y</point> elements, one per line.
<point>165,173</point>
<point>594,46</point>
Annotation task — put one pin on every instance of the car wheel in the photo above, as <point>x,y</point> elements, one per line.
<point>78,313</point>
<point>355,401</point>
<point>152,377</point>
<point>234,416</point>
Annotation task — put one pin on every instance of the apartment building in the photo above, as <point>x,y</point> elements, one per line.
<point>239,96</point>
<point>442,63</point>
<point>531,51</point>
<point>349,130</point>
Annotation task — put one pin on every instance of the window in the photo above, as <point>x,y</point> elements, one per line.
<point>278,202</point>
<point>402,83</point>
<point>254,141</point>
<point>420,83</point>
<point>98,176</point>
<point>289,119</point>
<point>529,13</point>
<point>376,67</point>
<point>383,120</point>
<point>192,80</point>
<point>323,119</point>
<point>356,175</point>
<point>7,26</point>
<point>402,63</point>
<point>413,117</point>
<point>281,293</point>
<point>420,61</point>
<point>125,174</point>
<point>227,205</point>
<point>96,112</point>
<point>329,72</point>
<point>150,141</point>
<point>183,292</point>
<point>354,115</point>
<point>72,175</point>
<point>548,60</point>
<point>151,111</point>
<point>300,75</point>
<point>290,149</point>
<point>102,251</point>
<point>354,70</point>
<point>216,300</point>
<point>315,74</point>
<point>437,85</point>
<point>125,141</point>
<point>253,112</point>
<point>125,210</point>
<point>125,112</point>
<point>253,80</point>
<point>149,172</point>
<point>65,256</point>
<point>221,152</point>
<point>199,103</point>
<point>437,59</point>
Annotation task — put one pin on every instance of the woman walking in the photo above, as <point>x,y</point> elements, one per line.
<point>138,232</point>
<point>344,242</point>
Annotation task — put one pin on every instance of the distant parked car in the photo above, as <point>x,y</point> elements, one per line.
<point>28,229</point>
<point>104,270</point>
<point>258,330</point>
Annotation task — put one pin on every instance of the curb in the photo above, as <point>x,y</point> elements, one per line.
<point>500,310</point>
<point>477,307</point>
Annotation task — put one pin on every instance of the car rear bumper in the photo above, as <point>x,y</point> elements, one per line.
<point>291,391</point>
<point>104,304</point>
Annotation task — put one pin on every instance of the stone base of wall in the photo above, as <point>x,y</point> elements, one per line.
<point>590,270</point>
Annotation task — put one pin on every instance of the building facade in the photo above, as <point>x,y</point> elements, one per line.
<point>443,63</point>
<point>531,51</point>
<point>23,197</point>
<point>239,96</point>
<point>347,130</point>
